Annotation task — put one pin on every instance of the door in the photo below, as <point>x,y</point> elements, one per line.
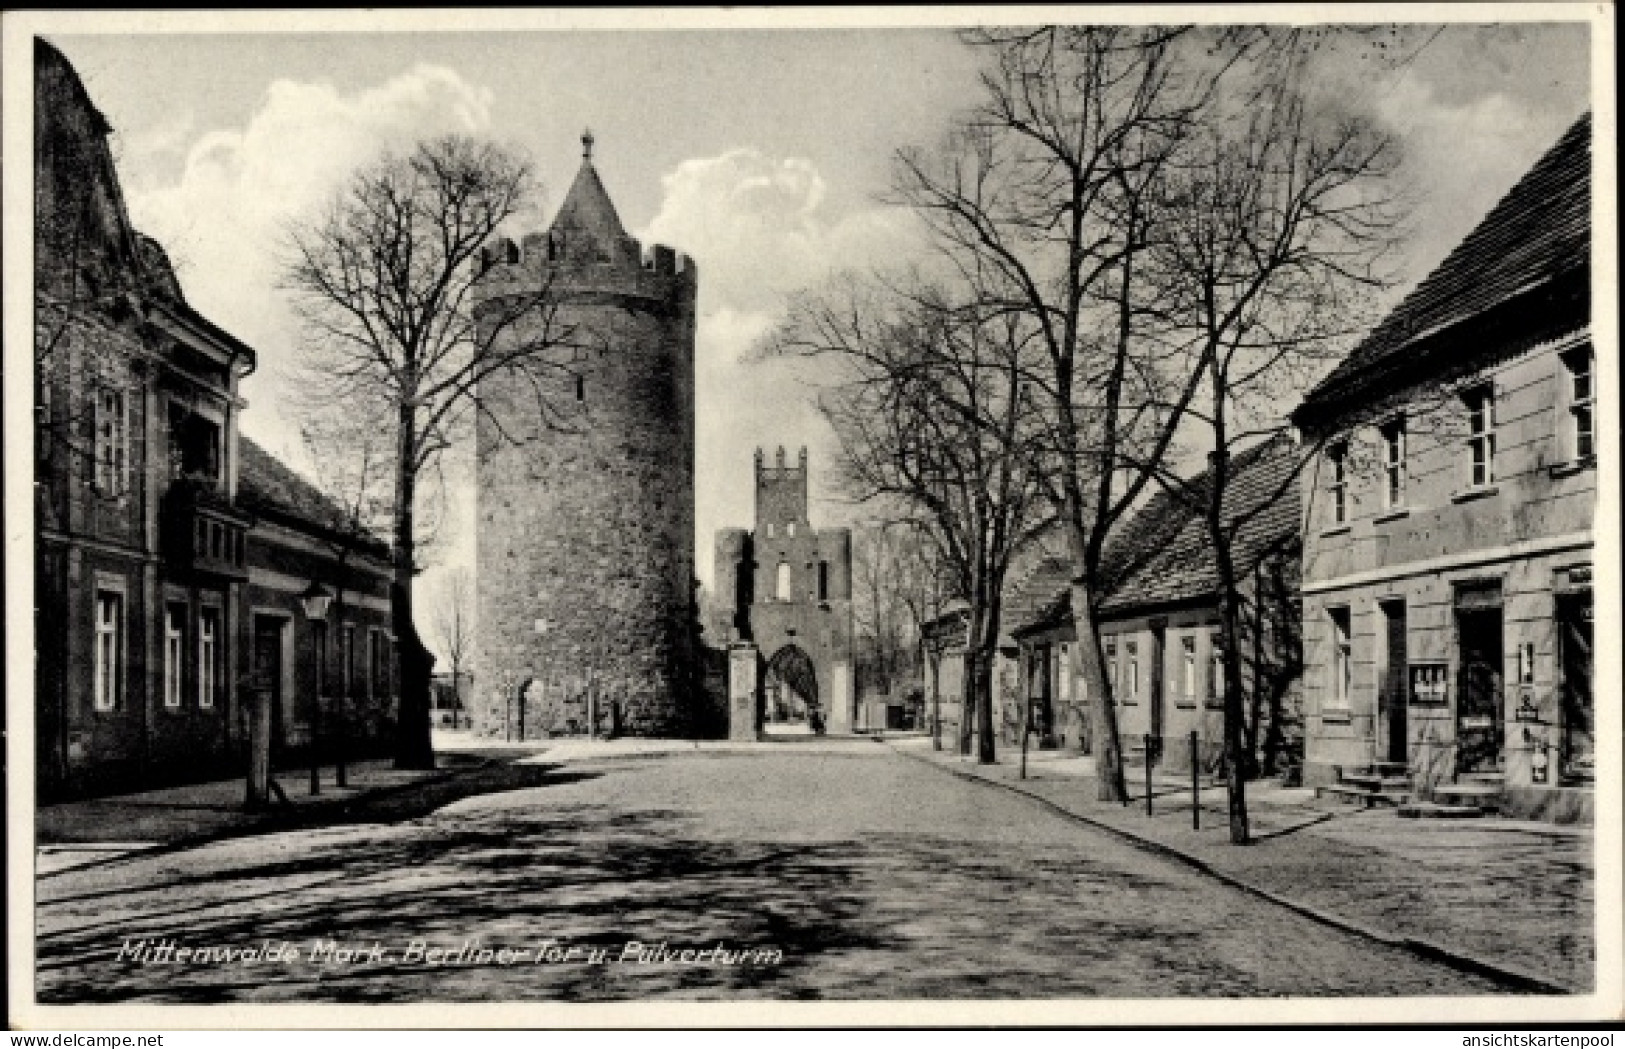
<point>1478,702</point>
<point>1393,700</point>
<point>1159,636</point>
<point>267,673</point>
<point>1576,757</point>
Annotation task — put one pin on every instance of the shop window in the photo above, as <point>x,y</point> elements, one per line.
<point>174,653</point>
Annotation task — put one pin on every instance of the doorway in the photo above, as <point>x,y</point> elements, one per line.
<point>1480,677</point>
<point>267,675</point>
<point>1393,703</point>
<point>1576,757</point>
<point>790,694</point>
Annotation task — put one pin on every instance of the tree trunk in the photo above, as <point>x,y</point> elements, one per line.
<point>1235,756</point>
<point>936,703</point>
<point>984,711</point>
<point>967,701</point>
<point>1109,782</point>
<point>414,744</point>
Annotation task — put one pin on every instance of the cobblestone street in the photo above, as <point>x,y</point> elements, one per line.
<point>873,875</point>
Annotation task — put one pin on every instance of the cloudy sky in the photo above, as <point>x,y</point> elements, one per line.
<point>761,153</point>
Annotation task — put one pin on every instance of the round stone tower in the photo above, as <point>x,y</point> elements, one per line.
<point>585,513</point>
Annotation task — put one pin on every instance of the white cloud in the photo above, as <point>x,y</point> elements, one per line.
<point>221,217</point>
<point>1464,156</point>
<point>758,227</point>
<point>760,230</point>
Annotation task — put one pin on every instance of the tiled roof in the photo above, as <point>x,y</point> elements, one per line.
<point>1162,554</point>
<point>1540,230</point>
<point>266,484</point>
<point>587,207</point>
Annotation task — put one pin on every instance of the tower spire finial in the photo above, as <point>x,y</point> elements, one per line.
<point>586,144</point>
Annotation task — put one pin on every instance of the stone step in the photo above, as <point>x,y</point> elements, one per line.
<point>1361,796</point>
<point>1374,782</point>
<point>1496,778</point>
<point>1385,768</point>
<point>1485,796</point>
<point>1432,810</point>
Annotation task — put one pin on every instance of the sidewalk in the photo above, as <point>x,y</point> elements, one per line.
<point>76,833</point>
<point>1514,896</point>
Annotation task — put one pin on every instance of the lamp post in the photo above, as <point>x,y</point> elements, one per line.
<point>316,601</point>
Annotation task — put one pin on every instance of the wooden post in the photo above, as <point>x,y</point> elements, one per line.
<point>1026,730</point>
<point>259,749</point>
<point>1148,773</point>
<point>1196,784</point>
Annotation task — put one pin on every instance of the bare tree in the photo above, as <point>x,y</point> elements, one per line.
<point>452,620</point>
<point>1274,231</point>
<point>382,280</point>
<point>929,408</point>
<point>1044,201</point>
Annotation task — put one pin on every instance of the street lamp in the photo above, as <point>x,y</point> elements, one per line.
<point>316,600</point>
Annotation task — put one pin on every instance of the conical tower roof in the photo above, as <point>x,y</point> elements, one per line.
<point>587,206</point>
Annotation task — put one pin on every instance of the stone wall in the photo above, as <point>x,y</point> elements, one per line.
<point>586,525</point>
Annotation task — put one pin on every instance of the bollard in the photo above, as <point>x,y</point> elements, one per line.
<point>1196,783</point>
<point>1148,773</point>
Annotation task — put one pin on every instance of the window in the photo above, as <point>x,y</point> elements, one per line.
<point>347,659</point>
<point>208,656</point>
<point>1480,403</point>
<point>823,580</point>
<point>375,664</point>
<point>1393,464</point>
<point>109,649</point>
<point>112,441</point>
<point>194,445</point>
<point>1187,653</point>
<point>790,529</point>
<point>1111,662</point>
<point>770,529</point>
<point>1215,670</point>
<point>1131,654</point>
<point>781,589</point>
<point>1063,675</point>
<point>1337,462</point>
<point>1582,420</point>
<point>174,652</point>
<point>1342,658</point>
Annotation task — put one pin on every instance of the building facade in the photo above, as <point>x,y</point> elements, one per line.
<point>585,552</point>
<point>1448,526</point>
<point>1160,629</point>
<point>151,554</point>
<point>785,588</point>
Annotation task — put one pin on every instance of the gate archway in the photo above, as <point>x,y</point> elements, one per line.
<point>790,693</point>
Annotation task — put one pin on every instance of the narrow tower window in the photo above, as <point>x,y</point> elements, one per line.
<point>782,589</point>
<point>581,387</point>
